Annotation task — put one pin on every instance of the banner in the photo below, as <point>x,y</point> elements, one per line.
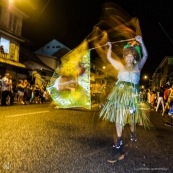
<point>70,84</point>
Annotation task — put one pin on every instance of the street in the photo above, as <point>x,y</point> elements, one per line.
<point>38,138</point>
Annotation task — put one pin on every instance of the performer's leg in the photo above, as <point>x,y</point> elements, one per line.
<point>117,150</point>
<point>132,129</point>
<point>118,143</point>
<point>114,133</point>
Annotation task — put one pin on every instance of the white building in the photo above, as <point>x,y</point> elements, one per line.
<point>51,53</point>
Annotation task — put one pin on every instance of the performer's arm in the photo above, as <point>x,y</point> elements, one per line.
<point>144,52</point>
<point>116,64</point>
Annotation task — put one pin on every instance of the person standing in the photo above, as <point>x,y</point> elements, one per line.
<point>122,104</point>
<point>0,87</point>
<point>20,91</point>
<point>11,91</point>
<point>169,98</point>
<point>149,97</point>
<point>153,100</point>
<point>6,90</point>
<point>160,100</point>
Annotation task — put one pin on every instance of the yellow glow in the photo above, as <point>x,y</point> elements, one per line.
<point>25,4</point>
<point>145,77</point>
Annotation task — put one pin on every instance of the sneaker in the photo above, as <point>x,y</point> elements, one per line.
<point>117,150</point>
<point>133,136</point>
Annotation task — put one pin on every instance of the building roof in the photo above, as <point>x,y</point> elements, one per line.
<point>51,48</point>
<point>61,52</point>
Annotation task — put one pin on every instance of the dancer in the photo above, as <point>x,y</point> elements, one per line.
<point>122,104</point>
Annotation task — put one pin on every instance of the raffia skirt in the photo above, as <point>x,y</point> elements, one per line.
<point>123,106</point>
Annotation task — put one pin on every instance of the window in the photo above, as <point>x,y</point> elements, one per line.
<point>13,23</point>
<point>6,44</point>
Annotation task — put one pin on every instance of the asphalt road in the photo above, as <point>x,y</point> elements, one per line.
<point>41,139</point>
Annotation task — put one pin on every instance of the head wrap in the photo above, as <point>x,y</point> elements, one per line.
<point>133,49</point>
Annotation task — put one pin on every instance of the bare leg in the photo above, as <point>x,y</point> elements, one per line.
<point>163,108</point>
<point>158,103</point>
<point>132,127</point>
<point>119,129</point>
<point>114,132</point>
<point>117,133</point>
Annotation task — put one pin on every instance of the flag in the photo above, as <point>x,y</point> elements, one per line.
<point>70,84</point>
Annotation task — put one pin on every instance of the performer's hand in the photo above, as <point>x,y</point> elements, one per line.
<point>139,39</point>
<point>109,44</point>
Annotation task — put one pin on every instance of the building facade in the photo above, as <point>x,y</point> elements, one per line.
<point>11,20</point>
<point>163,74</point>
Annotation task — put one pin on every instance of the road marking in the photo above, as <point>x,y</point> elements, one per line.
<point>18,115</point>
<point>152,169</point>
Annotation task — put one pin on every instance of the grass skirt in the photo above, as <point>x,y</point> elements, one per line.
<point>120,104</point>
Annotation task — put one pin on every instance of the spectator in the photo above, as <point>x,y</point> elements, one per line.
<point>6,84</point>
<point>149,96</point>
<point>0,87</point>
<point>2,50</point>
<point>160,100</point>
<point>28,93</point>
<point>20,91</point>
<point>37,93</point>
<point>153,98</point>
<point>166,92</point>
<point>11,92</point>
<point>170,98</point>
<point>170,113</point>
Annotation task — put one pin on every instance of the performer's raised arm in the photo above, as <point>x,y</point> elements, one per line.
<point>116,64</point>
<point>144,52</point>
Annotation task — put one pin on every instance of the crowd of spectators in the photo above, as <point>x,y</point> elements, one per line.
<point>161,100</point>
<point>21,92</point>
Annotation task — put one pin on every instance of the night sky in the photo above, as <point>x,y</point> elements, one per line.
<point>71,21</point>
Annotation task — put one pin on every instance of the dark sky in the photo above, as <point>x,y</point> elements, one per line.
<point>70,21</point>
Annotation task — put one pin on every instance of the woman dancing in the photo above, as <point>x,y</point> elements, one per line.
<point>122,106</point>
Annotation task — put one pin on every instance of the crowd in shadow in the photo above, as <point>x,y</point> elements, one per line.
<point>21,92</point>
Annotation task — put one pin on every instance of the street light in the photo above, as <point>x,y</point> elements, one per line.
<point>147,78</point>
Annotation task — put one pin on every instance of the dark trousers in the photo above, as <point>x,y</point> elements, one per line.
<point>4,97</point>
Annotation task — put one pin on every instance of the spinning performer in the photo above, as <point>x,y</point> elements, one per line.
<point>122,105</point>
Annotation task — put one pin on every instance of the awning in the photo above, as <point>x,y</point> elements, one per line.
<point>10,62</point>
<point>36,66</point>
